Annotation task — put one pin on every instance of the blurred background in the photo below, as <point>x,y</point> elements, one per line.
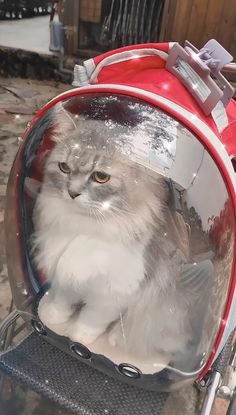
<point>69,30</point>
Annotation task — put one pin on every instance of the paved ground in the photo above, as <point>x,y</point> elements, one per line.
<point>29,34</point>
<point>19,100</point>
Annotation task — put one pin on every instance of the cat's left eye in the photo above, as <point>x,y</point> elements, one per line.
<point>100,177</point>
<point>64,167</point>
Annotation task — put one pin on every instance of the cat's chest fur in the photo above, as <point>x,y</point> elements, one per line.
<point>89,257</point>
<point>76,251</point>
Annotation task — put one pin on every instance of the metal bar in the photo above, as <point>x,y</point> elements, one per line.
<point>6,323</point>
<point>19,329</point>
<point>214,384</point>
<point>232,405</point>
<point>8,333</point>
<point>9,336</point>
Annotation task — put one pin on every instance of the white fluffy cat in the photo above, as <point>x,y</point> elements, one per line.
<point>99,240</point>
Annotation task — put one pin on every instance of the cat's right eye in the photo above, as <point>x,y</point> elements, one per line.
<point>64,167</point>
<point>100,177</point>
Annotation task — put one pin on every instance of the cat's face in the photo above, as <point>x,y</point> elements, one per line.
<point>86,171</point>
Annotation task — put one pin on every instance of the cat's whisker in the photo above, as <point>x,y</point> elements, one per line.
<point>121,212</point>
<point>94,210</point>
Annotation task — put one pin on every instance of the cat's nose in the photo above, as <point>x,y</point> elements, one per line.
<point>73,194</point>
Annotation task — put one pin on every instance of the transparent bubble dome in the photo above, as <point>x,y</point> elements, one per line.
<point>120,234</point>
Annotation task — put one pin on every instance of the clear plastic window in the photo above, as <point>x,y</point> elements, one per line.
<point>125,238</point>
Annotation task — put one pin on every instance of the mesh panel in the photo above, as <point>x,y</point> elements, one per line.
<point>74,385</point>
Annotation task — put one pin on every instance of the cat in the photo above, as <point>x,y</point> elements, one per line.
<point>99,238</point>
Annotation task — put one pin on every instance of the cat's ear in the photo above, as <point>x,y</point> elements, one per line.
<point>63,123</point>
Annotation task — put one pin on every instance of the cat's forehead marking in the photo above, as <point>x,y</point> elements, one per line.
<point>87,162</point>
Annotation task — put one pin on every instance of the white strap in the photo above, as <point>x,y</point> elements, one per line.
<point>87,73</point>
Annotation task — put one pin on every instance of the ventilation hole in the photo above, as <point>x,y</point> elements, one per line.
<point>81,351</point>
<point>129,370</point>
<point>233,161</point>
<point>38,327</point>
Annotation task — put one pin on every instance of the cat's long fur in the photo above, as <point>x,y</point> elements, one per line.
<point>104,252</point>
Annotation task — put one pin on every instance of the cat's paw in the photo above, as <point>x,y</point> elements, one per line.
<point>83,334</point>
<point>114,337</point>
<point>51,313</point>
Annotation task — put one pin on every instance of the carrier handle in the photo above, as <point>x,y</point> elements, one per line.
<point>88,72</point>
